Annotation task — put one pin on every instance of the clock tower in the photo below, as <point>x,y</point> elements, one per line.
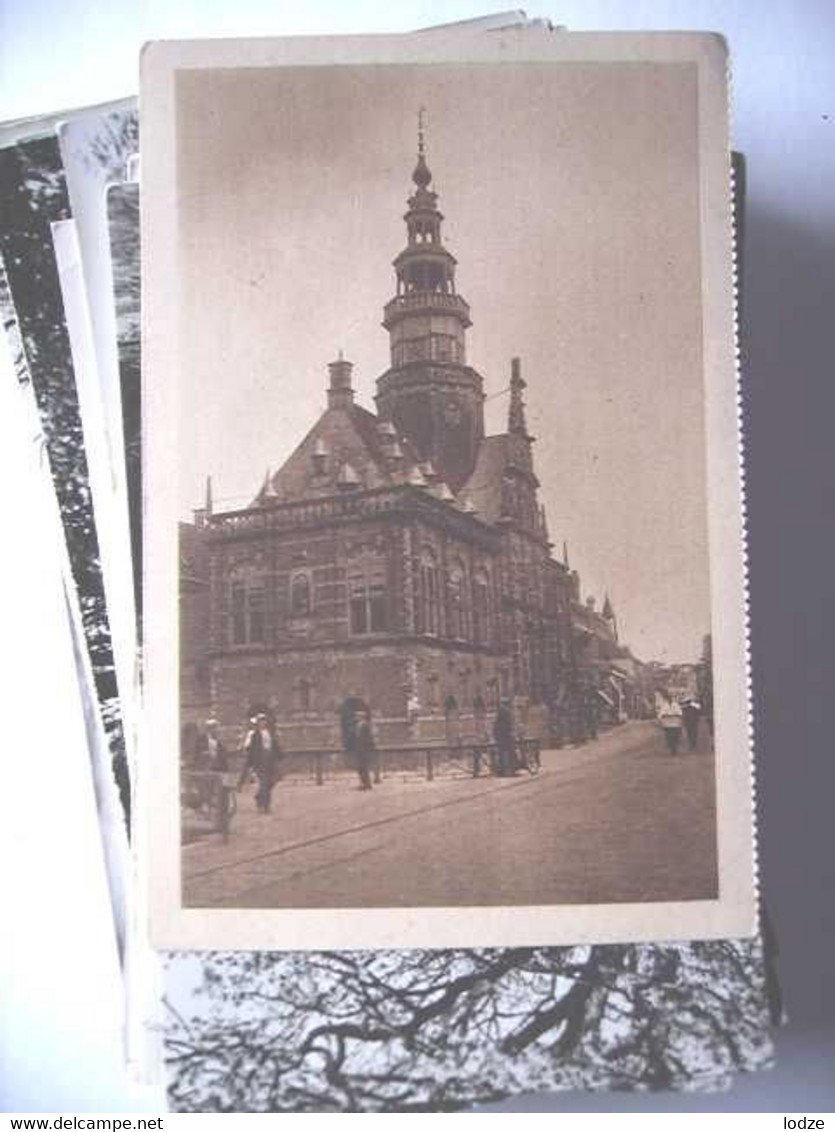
<point>429,392</point>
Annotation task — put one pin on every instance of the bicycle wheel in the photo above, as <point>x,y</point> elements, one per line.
<point>532,759</point>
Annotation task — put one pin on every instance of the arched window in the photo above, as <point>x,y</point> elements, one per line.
<point>429,594</point>
<point>368,597</point>
<point>247,614</point>
<point>459,619</point>
<point>300,595</point>
<point>481,607</point>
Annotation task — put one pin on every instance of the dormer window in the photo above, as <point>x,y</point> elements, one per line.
<point>347,479</point>
<point>320,457</point>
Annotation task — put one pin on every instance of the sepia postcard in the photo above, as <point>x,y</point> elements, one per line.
<point>445,639</point>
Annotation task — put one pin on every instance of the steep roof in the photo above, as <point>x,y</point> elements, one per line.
<point>368,425</point>
<point>345,444</point>
<point>484,487</point>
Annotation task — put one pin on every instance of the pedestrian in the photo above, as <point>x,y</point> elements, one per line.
<point>555,718</point>
<point>216,761</point>
<point>198,757</point>
<point>211,751</point>
<point>505,739</point>
<point>479,717</point>
<point>349,710</point>
<point>452,721</point>
<point>575,714</point>
<point>412,709</point>
<point>591,707</point>
<point>707,708</point>
<point>671,720</point>
<point>263,753</point>
<point>364,748</point>
<point>691,713</point>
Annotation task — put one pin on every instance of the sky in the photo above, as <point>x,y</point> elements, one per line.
<point>571,203</point>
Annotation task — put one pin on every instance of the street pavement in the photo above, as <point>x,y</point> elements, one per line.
<point>618,819</point>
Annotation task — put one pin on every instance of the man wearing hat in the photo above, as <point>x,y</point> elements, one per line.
<point>210,750</point>
<point>504,736</point>
<point>262,757</point>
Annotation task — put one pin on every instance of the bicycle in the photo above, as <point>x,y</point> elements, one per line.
<point>529,755</point>
<point>212,796</point>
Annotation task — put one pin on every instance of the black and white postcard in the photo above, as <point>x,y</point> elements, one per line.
<point>443,563</point>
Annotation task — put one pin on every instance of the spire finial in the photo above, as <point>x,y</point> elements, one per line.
<point>516,414</point>
<point>422,176</point>
<point>609,614</point>
<point>565,561</point>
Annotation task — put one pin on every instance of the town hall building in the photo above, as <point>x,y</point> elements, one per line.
<point>399,556</point>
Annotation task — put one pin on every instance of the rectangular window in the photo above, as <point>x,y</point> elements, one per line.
<point>359,611</point>
<point>303,696</point>
<point>238,603</point>
<point>368,606</point>
<point>256,615</point>
<point>378,608</point>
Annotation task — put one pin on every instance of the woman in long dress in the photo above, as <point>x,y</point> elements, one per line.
<point>671,721</point>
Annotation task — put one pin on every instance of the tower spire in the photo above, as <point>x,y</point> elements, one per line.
<point>609,614</point>
<point>430,394</point>
<point>209,505</point>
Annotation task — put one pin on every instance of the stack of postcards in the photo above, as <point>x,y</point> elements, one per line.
<point>403,533</point>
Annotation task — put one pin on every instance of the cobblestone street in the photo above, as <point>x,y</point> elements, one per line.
<point>618,819</point>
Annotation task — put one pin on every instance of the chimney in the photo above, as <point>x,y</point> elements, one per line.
<point>340,393</point>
